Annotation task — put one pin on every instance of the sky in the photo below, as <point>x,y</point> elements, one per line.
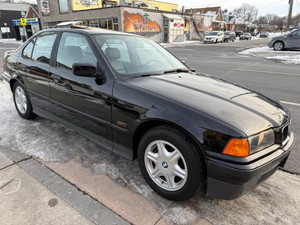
<point>279,7</point>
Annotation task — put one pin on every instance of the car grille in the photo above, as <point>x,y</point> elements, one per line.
<point>282,134</point>
<point>208,38</point>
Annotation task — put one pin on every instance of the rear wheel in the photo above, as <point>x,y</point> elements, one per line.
<point>278,46</point>
<point>170,163</point>
<point>22,102</point>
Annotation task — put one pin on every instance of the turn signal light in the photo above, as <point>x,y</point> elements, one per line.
<point>237,147</point>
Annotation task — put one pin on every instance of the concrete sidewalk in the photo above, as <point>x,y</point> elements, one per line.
<point>25,200</point>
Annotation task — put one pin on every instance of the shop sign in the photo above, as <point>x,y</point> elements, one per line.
<point>45,7</point>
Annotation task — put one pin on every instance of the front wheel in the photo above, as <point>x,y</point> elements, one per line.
<point>22,102</point>
<point>278,46</point>
<point>170,163</point>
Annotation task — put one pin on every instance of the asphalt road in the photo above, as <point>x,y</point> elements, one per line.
<point>275,79</point>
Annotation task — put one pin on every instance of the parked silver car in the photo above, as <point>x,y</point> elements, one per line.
<point>289,41</point>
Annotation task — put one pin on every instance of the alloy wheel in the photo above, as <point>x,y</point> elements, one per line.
<point>21,100</point>
<point>165,165</point>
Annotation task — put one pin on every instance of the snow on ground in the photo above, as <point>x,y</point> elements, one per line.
<point>10,40</point>
<point>276,201</point>
<point>178,43</point>
<point>288,59</point>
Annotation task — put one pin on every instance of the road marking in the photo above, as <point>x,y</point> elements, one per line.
<point>290,103</point>
<point>272,72</point>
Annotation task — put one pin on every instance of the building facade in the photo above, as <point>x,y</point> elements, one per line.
<point>126,16</point>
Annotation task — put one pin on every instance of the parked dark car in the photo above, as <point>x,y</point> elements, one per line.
<point>246,36</point>
<point>238,33</point>
<point>229,36</point>
<point>264,35</point>
<point>253,34</point>
<point>289,41</point>
<point>134,98</point>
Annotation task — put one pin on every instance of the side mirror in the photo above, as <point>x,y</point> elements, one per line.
<point>84,69</point>
<point>193,70</point>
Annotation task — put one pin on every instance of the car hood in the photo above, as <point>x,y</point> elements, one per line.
<point>210,36</point>
<point>241,108</point>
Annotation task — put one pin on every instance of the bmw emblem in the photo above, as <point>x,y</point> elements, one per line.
<point>165,165</point>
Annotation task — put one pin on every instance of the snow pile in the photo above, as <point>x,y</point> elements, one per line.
<point>288,59</point>
<point>10,40</point>
<point>257,49</point>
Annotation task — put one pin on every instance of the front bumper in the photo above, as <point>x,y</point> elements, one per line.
<point>6,78</point>
<point>270,44</point>
<point>228,180</point>
<point>209,41</point>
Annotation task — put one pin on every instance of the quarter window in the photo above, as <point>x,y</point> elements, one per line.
<point>28,50</point>
<point>74,48</point>
<point>43,47</point>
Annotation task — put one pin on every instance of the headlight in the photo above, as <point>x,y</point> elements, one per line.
<point>261,141</point>
<point>244,147</point>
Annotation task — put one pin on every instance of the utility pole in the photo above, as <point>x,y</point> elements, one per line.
<point>291,2</point>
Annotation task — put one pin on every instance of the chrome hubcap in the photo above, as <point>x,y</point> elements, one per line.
<point>165,165</point>
<point>21,100</point>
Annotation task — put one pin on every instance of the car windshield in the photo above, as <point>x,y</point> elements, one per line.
<point>226,33</point>
<point>212,34</point>
<point>136,56</point>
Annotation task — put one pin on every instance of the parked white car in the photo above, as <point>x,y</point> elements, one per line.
<point>214,37</point>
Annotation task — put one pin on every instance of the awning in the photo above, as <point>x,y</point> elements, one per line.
<point>173,16</point>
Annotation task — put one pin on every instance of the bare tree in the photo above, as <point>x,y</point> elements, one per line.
<point>246,13</point>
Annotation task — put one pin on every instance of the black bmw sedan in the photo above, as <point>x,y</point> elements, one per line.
<point>134,98</point>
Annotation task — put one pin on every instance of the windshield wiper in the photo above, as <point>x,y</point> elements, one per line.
<point>181,70</point>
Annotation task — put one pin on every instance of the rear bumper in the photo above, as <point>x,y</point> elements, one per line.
<point>229,181</point>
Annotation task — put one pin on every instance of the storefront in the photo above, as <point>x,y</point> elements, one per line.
<point>32,26</point>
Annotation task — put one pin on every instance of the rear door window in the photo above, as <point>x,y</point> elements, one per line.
<point>43,47</point>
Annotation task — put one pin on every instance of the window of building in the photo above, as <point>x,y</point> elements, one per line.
<point>63,6</point>
<point>43,47</point>
<point>28,50</point>
<point>111,24</point>
<point>74,48</point>
<point>93,23</point>
<point>103,24</point>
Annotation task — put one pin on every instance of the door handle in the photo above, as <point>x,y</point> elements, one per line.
<point>56,78</point>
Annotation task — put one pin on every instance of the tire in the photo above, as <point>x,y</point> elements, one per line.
<point>171,178</point>
<point>278,46</point>
<point>22,102</point>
